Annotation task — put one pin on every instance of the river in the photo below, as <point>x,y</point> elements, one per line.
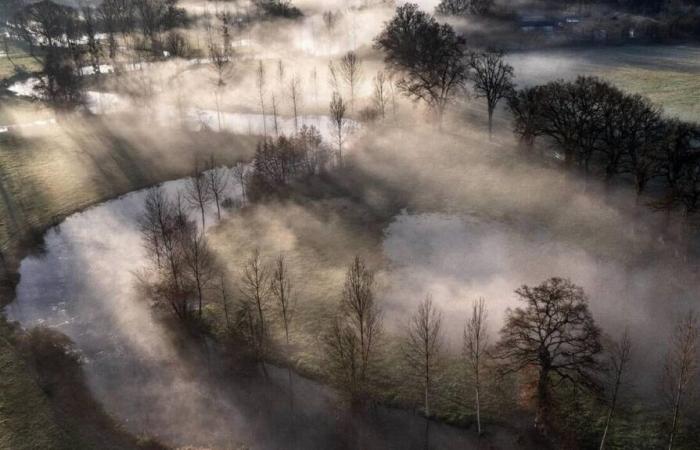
<point>82,284</point>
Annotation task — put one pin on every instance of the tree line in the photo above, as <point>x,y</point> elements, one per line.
<point>593,125</point>
<point>547,346</point>
<point>602,129</point>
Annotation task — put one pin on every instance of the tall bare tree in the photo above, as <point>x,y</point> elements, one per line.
<point>221,60</point>
<point>338,110</point>
<point>476,347</point>
<point>493,79</point>
<point>198,262</point>
<point>351,340</point>
<point>198,194</point>
<point>223,291</point>
<point>240,174</point>
<point>217,182</point>
<point>681,369</point>
<point>295,99</point>
<point>260,73</point>
<point>381,93</point>
<point>275,116</point>
<point>359,306</point>
<point>351,70</point>
<point>281,288</point>
<point>619,359</point>
<point>555,334</point>
<point>256,294</point>
<point>423,345</point>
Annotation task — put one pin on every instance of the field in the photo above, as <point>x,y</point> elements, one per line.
<point>21,59</point>
<point>668,75</point>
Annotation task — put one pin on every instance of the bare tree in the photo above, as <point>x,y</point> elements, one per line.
<point>362,312</point>
<point>239,173</point>
<point>619,359</point>
<point>475,350</point>
<point>198,194</point>
<point>556,335</point>
<point>282,291</point>
<point>295,98</point>
<point>198,262</point>
<point>90,27</point>
<point>220,56</point>
<point>351,340</point>
<point>381,93</point>
<point>333,81</point>
<point>493,79</point>
<point>275,115</point>
<point>256,290</point>
<point>217,182</point>
<point>337,113</point>
<point>224,300</point>
<point>351,70</point>
<point>163,225</point>
<point>681,368</point>
<point>424,345</point>
<point>261,91</point>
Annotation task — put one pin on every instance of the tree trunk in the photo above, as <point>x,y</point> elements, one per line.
<point>676,410</point>
<point>542,402</point>
<point>478,403</point>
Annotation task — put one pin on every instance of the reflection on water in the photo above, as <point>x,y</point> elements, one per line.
<point>83,286</point>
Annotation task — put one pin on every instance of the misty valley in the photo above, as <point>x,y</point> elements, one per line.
<point>349,224</point>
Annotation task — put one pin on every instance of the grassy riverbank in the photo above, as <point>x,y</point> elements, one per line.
<point>48,172</point>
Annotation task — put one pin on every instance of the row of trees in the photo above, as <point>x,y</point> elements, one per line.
<point>182,263</point>
<point>599,127</point>
<point>552,339</point>
<point>67,41</point>
<point>551,342</point>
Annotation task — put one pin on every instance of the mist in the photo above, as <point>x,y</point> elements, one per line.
<point>445,211</point>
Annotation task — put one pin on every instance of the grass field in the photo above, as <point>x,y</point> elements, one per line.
<point>18,58</point>
<point>668,75</point>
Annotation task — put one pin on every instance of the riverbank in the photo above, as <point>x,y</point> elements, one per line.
<point>46,174</point>
<point>50,172</point>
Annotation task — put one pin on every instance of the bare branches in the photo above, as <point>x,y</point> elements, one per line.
<point>351,70</point>
<point>295,98</point>
<point>493,79</point>
<point>217,181</point>
<point>681,368</point>
<point>352,339</point>
<point>337,113</point>
<point>260,74</point>
<point>619,359</point>
<point>554,333</point>
<point>381,93</point>
<point>476,346</point>
<point>423,345</point>
<point>255,290</point>
<point>198,194</point>
<point>281,288</point>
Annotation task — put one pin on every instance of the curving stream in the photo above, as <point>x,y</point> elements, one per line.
<point>83,285</point>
